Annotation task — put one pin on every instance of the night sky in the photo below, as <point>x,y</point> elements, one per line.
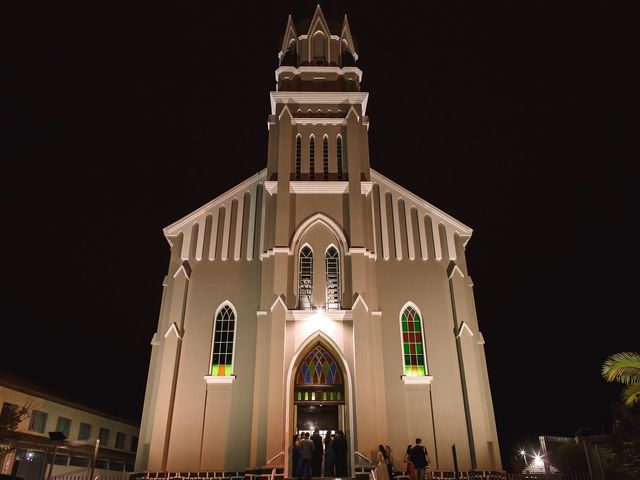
<point>507,115</point>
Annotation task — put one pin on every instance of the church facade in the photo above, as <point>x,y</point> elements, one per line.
<point>317,293</point>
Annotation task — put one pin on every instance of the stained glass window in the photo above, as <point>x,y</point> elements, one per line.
<point>413,343</point>
<point>298,156</point>
<point>222,358</point>
<point>332,266</point>
<point>318,368</point>
<point>305,286</point>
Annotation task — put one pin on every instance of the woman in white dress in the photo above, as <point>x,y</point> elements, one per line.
<point>381,472</point>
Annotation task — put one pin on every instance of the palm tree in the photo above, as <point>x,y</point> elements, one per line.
<point>624,368</point>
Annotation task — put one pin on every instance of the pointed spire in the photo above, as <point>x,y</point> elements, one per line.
<point>318,16</point>
<point>289,33</point>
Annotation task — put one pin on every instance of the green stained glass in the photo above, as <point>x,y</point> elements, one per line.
<point>313,395</point>
<point>299,395</point>
<point>412,346</point>
<point>324,396</point>
<point>330,395</point>
<point>338,396</point>
<point>306,395</point>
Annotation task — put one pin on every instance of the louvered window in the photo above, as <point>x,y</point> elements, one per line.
<point>306,278</point>
<point>332,266</point>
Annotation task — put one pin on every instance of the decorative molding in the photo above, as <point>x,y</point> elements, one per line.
<point>165,281</point>
<point>437,214</point>
<point>319,98</point>
<point>275,250</point>
<point>317,187</point>
<point>480,338</point>
<point>302,315</point>
<point>261,313</point>
<point>155,341</point>
<point>463,326</point>
<point>318,121</point>
<point>362,250</point>
<point>453,268</point>
<point>185,268</point>
<point>221,379</point>
<point>173,328</point>
<point>279,299</point>
<point>376,313</point>
<point>410,380</point>
<point>198,214</point>
<point>320,187</point>
<point>360,300</point>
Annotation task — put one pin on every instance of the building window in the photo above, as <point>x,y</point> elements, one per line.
<point>298,156</point>
<point>223,341</point>
<point>312,156</point>
<point>325,157</point>
<point>305,284</point>
<point>412,343</point>
<point>9,409</point>
<point>332,266</point>
<point>61,459</point>
<point>79,462</point>
<point>85,431</point>
<point>120,440</point>
<point>38,421</point>
<point>134,444</point>
<point>104,436</point>
<point>63,425</point>
<point>339,157</point>
<point>102,463</point>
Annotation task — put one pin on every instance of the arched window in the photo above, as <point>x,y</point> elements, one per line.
<point>305,276</point>
<point>332,267</point>
<point>319,379</point>
<point>223,342</point>
<point>312,156</point>
<point>339,156</point>
<point>412,343</point>
<point>319,48</point>
<point>298,156</point>
<point>325,156</point>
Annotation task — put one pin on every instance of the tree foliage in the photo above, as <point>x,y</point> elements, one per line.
<point>624,368</point>
<point>624,447</point>
<point>10,418</point>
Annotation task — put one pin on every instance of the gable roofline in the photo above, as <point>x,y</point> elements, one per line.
<point>463,229</point>
<point>176,227</point>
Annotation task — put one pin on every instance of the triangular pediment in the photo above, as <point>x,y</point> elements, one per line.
<point>289,34</point>
<point>345,34</point>
<point>318,22</point>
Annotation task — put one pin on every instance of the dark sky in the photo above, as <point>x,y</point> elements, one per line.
<point>507,115</point>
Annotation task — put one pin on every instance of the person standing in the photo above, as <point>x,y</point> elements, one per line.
<point>382,470</point>
<point>340,454</point>
<point>407,465</point>
<point>297,455</point>
<point>420,459</point>
<point>316,464</point>
<point>387,449</point>
<point>307,456</point>
<point>328,455</point>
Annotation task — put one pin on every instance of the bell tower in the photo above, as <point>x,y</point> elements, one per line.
<point>318,140</point>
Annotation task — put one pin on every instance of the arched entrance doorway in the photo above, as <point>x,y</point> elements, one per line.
<point>319,396</point>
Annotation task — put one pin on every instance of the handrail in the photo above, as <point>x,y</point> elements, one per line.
<point>276,456</point>
<point>363,457</point>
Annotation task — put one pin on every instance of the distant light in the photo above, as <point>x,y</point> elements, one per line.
<point>320,310</point>
<point>522,452</point>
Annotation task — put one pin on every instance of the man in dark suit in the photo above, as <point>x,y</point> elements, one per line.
<point>340,454</point>
<point>316,463</point>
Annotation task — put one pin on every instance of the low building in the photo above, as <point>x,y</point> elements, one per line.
<point>90,434</point>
